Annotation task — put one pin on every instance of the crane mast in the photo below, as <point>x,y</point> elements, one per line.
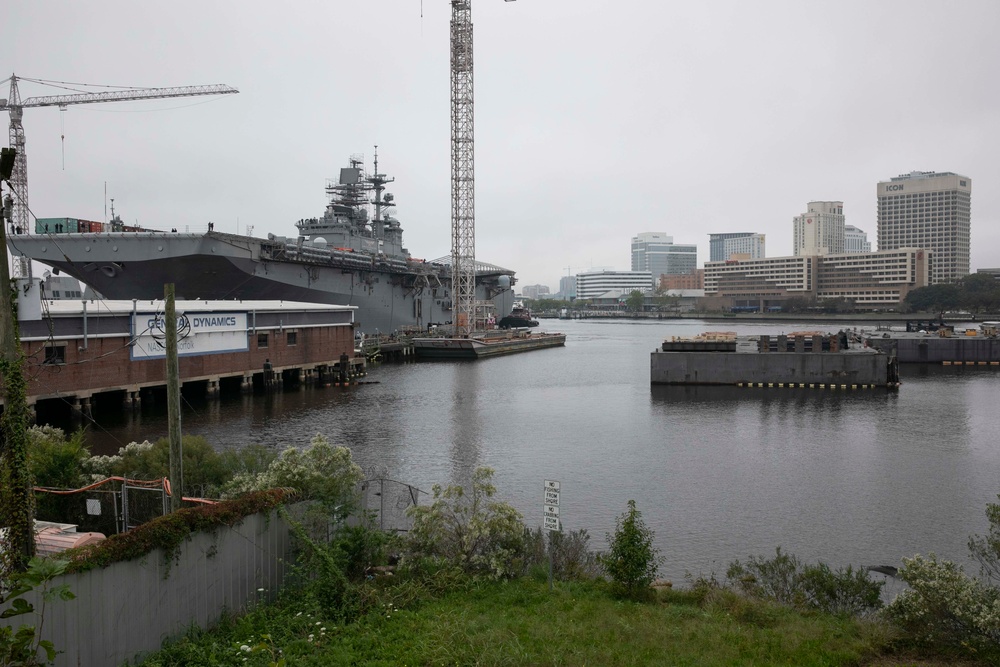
<point>20,222</point>
<point>463,175</point>
<point>463,169</point>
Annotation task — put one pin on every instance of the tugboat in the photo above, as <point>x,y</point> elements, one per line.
<point>519,318</point>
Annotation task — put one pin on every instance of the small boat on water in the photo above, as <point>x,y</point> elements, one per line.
<point>519,318</point>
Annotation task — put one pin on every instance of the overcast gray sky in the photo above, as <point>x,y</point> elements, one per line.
<point>595,120</point>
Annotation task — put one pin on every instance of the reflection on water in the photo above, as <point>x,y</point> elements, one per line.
<point>863,477</point>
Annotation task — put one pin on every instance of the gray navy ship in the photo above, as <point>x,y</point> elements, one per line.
<point>345,257</point>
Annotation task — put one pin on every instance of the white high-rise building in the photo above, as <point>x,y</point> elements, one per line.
<point>856,240</point>
<point>820,230</point>
<point>929,210</point>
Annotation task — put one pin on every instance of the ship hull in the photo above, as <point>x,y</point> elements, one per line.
<point>223,266</point>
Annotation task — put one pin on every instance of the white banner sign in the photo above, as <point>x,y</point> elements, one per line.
<point>197,333</point>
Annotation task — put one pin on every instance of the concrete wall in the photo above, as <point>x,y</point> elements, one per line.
<point>734,368</point>
<point>130,608</point>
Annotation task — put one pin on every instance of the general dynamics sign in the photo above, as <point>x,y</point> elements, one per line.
<point>199,333</point>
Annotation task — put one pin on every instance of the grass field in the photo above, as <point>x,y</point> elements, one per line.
<point>524,623</point>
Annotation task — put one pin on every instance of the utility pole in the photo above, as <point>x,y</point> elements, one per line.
<point>17,498</point>
<point>173,401</point>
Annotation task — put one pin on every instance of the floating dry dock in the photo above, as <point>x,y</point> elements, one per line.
<point>805,358</point>
<point>485,344</point>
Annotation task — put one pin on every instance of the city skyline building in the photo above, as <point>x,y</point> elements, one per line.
<point>856,240</point>
<point>869,279</point>
<point>592,284</point>
<point>929,210</point>
<point>723,246</point>
<point>657,253</point>
<point>567,287</point>
<point>820,230</point>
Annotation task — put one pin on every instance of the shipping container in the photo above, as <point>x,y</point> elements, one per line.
<point>56,225</point>
<point>90,226</point>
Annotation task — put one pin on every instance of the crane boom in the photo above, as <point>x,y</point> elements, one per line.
<point>19,222</point>
<point>126,95</point>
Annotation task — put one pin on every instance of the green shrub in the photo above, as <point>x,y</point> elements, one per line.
<point>471,532</point>
<point>786,580</point>
<point>572,559</point>
<point>844,591</point>
<point>775,579</point>
<point>945,607</point>
<point>631,561</point>
<point>205,471</point>
<point>57,462</point>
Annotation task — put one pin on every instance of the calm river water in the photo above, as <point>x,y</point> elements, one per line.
<point>861,478</point>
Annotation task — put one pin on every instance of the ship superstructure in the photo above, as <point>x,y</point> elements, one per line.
<point>346,256</point>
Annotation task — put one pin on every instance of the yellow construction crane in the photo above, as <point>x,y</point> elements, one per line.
<point>19,222</point>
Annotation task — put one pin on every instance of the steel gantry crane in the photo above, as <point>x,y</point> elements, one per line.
<point>463,173</point>
<point>19,222</point>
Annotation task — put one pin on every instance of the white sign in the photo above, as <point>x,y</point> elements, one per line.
<point>197,333</point>
<point>550,510</point>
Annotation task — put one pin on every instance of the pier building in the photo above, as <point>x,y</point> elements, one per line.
<point>79,352</point>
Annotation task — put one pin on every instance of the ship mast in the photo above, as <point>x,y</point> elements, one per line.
<point>378,182</point>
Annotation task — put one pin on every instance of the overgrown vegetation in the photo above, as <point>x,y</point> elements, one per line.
<point>472,532</point>
<point>466,584</point>
<point>784,579</point>
<point>168,532</point>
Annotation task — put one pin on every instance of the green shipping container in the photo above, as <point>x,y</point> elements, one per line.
<point>56,226</point>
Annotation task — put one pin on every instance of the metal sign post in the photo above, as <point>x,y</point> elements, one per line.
<point>550,516</point>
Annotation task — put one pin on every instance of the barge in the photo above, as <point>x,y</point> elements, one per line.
<point>800,359</point>
<point>485,344</point>
<point>970,347</point>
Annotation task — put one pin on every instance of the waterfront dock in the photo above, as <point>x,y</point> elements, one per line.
<point>486,344</point>
<point>78,353</point>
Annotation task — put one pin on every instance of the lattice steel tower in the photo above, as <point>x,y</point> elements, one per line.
<point>463,171</point>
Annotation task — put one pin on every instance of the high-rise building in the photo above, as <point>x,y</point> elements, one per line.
<point>820,230</point>
<point>567,287</point>
<point>930,210</point>
<point>657,253</point>
<point>723,246</point>
<point>856,240</point>
<point>534,291</point>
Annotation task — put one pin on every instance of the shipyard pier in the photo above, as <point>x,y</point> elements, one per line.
<point>799,359</point>
<point>80,353</point>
